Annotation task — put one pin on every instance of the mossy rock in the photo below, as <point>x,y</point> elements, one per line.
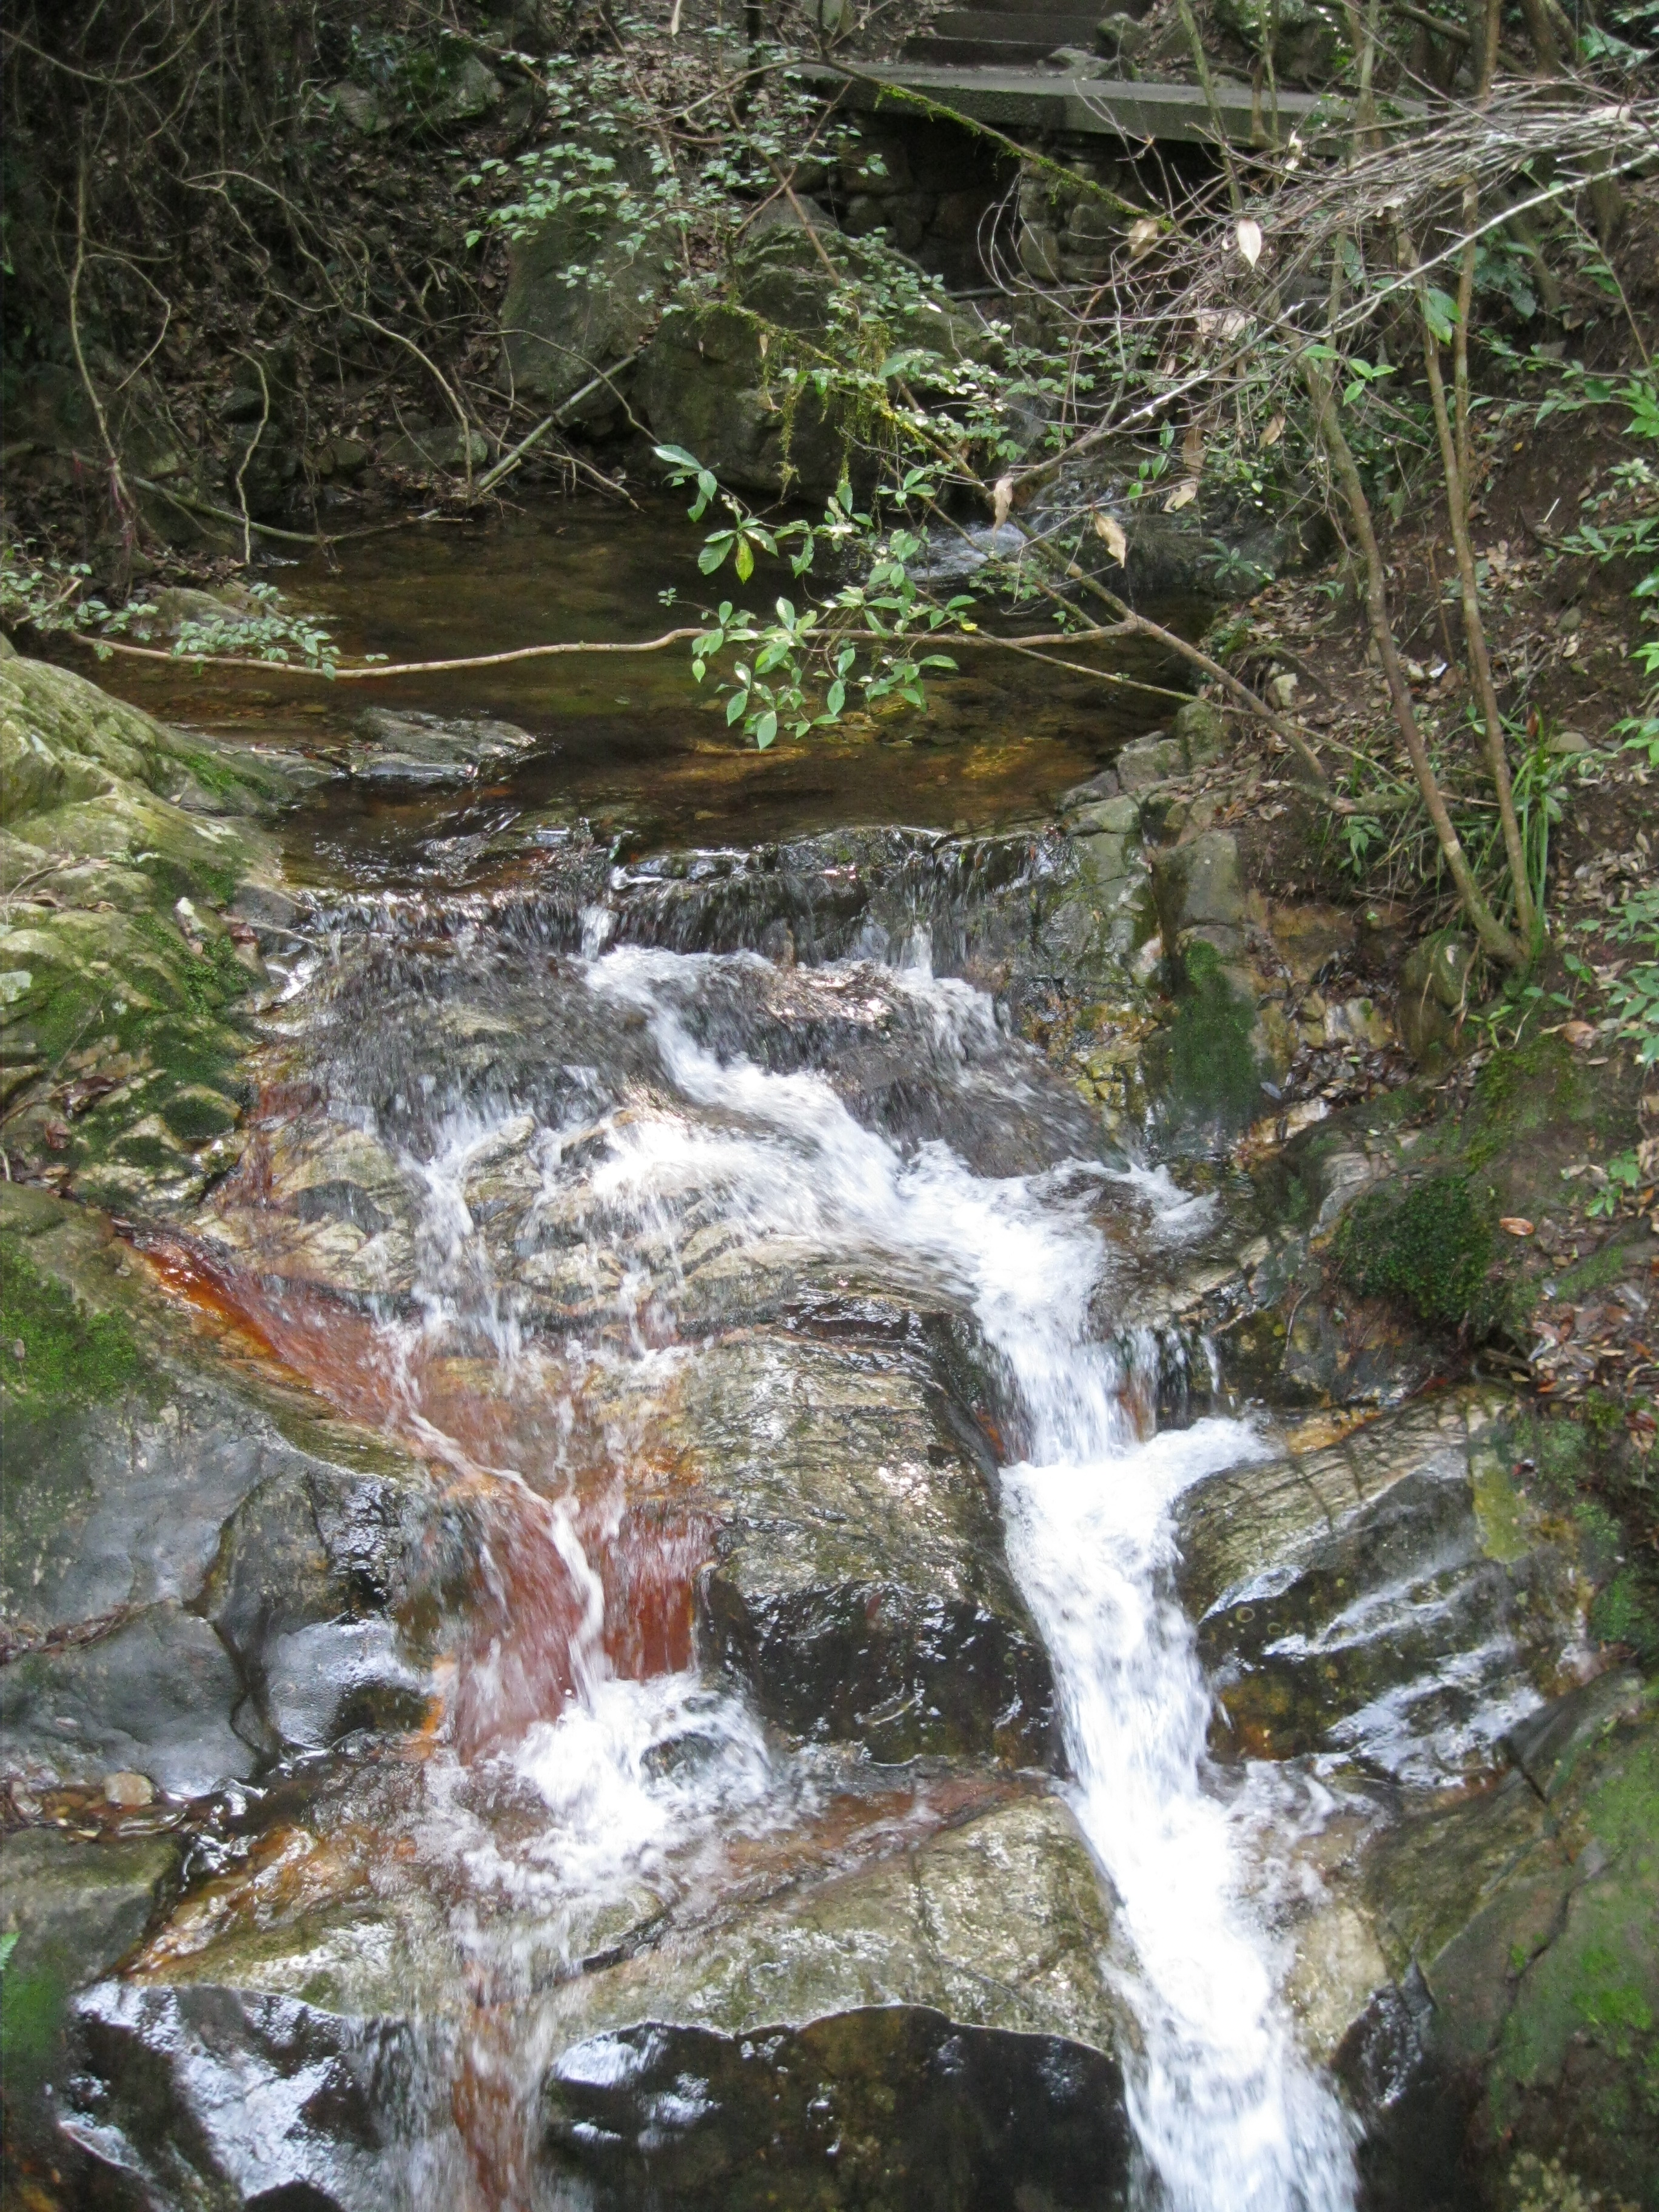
<point>1575,2073</point>
<point>1428,1244</point>
<point>1207,1065</point>
<point>1529,1916</point>
<point>121,1017</point>
<point>195,1114</point>
<point>73,1909</point>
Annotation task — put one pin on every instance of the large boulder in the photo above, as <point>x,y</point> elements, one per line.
<point>859,1586</point>
<point>122,978</point>
<point>585,283</point>
<point>730,381</point>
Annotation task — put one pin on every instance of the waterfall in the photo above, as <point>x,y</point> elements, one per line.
<point>1229,2116</point>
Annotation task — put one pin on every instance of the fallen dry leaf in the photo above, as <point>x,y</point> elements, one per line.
<point>1143,235</point>
<point>1183,495</point>
<point>1579,1034</point>
<point>1516,1223</point>
<point>1274,431</point>
<point>1249,235</point>
<point>1002,498</point>
<point>1107,527</point>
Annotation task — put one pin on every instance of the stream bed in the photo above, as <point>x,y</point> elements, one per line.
<point>703,1624</point>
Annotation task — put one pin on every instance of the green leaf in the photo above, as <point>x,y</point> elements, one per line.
<point>1439,312</point>
<point>765,730</point>
<point>714,551</point>
<point>745,560</point>
<point>737,705</point>
<point>835,698</point>
<point>677,458</point>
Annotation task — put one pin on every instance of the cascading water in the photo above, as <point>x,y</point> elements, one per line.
<point>1229,2116</point>
<point>586,1780</point>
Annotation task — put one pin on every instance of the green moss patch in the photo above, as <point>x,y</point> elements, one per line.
<point>69,1357</point>
<point>1204,1062</point>
<point>1428,1246</point>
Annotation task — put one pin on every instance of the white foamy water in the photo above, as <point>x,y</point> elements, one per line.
<point>1229,2116</point>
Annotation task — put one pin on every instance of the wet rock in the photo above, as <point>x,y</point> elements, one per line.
<point>312,1568</point>
<point>994,1927</point>
<point>161,1535</point>
<point>204,2095</point>
<point>1224,1040</point>
<point>858,1585</point>
<point>1098,923</point>
<point>893,2104</point>
<point>974,1958</point>
<point>1390,1597</point>
<point>75,1910</point>
<point>1550,1745</point>
<point>155,1695</point>
<point>429,749</point>
<point>999,1923</point>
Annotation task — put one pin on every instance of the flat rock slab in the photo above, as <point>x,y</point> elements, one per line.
<point>859,1584</point>
<point>431,749</point>
<point>1050,100</point>
<point>1000,1923</point>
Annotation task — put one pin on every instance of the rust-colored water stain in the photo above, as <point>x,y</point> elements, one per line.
<point>531,1633</point>
<point>494,2113</point>
<point>548,1505</point>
